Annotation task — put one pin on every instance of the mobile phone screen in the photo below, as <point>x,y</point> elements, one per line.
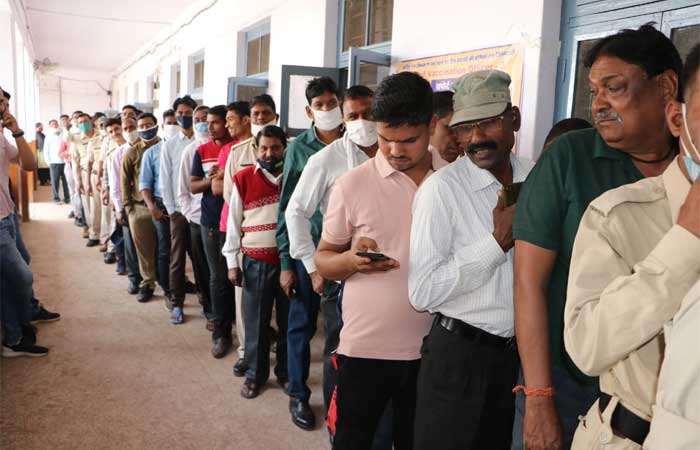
<point>373,256</point>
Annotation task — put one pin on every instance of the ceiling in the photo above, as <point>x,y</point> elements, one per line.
<point>97,35</point>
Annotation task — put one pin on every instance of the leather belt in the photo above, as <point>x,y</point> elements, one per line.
<point>624,422</point>
<point>473,333</point>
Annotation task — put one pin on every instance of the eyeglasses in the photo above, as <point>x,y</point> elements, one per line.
<point>465,131</point>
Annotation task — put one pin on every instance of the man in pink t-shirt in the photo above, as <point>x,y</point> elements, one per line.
<point>370,211</point>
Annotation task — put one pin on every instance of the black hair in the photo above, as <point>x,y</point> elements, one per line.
<point>131,107</point>
<point>319,86</point>
<point>6,94</point>
<point>52,120</point>
<point>442,103</point>
<point>218,110</point>
<point>113,121</point>
<point>97,115</point>
<point>272,131</point>
<point>691,69</point>
<point>64,115</point>
<point>405,98</point>
<point>39,124</point>
<point>78,112</point>
<point>242,109</point>
<point>646,47</point>
<point>82,114</point>
<point>564,126</point>
<point>185,100</point>
<point>146,115</point>
<point>263,99</point>
<point>358,91</point>
<point>168,113</point>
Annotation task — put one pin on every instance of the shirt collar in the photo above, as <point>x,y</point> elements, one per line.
<point>183,137</point>
<point>313,137</point>
<point>602,150</point>
<point>677,186</point>
<point>481,178</point>
<point>265,172</point>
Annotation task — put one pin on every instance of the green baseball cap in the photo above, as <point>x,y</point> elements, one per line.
<point>479,95</point>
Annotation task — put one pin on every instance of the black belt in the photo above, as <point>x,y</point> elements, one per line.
<point>473,333</point>
<point>624,422</point>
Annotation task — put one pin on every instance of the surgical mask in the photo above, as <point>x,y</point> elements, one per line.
<point>328,120</point>
<point>170,131</point>
<point>84,127</point>
<point>362,132</point>
<point>130,136</point>
<point>185,121</point>
<point>255,129</point>
<point>201,130</point>
<point>271,166</point>
<point>149,134</point>
<point>690,164</point>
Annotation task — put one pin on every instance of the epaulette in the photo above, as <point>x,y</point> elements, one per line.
<point>643,191</point>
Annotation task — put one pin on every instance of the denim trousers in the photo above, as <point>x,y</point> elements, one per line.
<point>200,267</point>
<point>130,256</point>
<point>303,313</point>
<point>262,291</point>
<point>16,281</point>
<point>220,288</point>
<point>58,175</point>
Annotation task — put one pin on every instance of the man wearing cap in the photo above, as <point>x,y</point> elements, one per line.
<point>461,271</point>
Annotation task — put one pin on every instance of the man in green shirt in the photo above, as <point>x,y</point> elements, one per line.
<point>301,287</point>
<point>634,74</point>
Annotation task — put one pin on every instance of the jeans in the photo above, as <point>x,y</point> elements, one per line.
<point>365,388</point>
<point>16,281</point>
<point>262,291</point>
<point>27,257</point>
<point>200,267</point>
<point>220,288</point>
<point>130,255</point>
<point>572,400</point>
<point>163,253</point>
<point>117,239</point>
<point>58,175</point>
<point>303,313</point>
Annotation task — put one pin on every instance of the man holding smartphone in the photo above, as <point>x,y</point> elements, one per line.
<point>370,211</point>
<point>462,272</point>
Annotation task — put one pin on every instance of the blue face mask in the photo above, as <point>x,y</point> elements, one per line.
<point>201,127</point>
<point>271,166</point>
<point>690,164</point>
<point>184,121</point>
<point>84,127</point>
<point>149,134</point>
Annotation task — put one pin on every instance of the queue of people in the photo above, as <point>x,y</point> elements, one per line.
<point>470,299</point>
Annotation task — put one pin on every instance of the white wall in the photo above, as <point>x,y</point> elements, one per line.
<point>64,91</point>
<point>449,26</point>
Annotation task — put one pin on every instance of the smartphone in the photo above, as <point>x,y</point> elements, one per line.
<point>511,193</point>
<point>373,256</point>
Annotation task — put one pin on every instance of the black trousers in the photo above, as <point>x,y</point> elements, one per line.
<point>465,399</point>
<point>220,288</point>
<point>132,260</point>
<point>331,328</point>
<point>365,387</point>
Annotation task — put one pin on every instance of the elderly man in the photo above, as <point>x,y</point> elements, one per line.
<point>634,74</point>
<point>636,256</point>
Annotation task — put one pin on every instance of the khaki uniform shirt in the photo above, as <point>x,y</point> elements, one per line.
<point>630,269</point>
<point>82,150</point>
<point>95,150</point>
<point>130,172</point>
<point>242,155</point>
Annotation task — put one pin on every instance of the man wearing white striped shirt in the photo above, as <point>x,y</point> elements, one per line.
<point>461,270</point>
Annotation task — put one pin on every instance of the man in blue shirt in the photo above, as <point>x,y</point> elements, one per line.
<point>149,185</point>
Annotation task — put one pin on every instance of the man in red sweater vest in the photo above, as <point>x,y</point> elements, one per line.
<point>251,231</point>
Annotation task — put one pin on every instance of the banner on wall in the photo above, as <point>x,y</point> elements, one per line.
<point>440,71</point>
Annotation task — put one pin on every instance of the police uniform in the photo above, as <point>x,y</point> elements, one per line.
<point>82,155</point>
<point>631,267</point>
<point>107,215</point>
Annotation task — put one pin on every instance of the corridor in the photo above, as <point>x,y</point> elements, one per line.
<point>119,375</point>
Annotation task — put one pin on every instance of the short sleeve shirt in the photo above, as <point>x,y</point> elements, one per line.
<point>221,161</point>
<point>578,167</point>
<point>8,152</point>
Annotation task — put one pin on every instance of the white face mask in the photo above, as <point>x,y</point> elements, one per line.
<point>201,131</point>
<point>328,120</point>
<point>690,164</point>
<point>255,129</point>
<point>131,136</point>
<point>170,131</point>
<point>362,132</point>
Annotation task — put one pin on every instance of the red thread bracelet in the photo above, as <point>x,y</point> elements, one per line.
<point>544,392</point>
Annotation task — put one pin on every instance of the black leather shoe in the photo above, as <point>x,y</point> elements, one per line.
<point>302,416</point>
<point>145,294</point>
<point>133,288</point>
<point>221,347</point>
<point>110,258</point>
<point>240,368</point>
<point>190,287</point>
<point>92,243</point>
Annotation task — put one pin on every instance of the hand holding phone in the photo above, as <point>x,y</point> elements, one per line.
<point>365,257</point>
<point>510,193</point>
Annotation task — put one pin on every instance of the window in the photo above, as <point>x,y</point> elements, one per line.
<point>367,22</point>
<point>175,78</point>
<point>196,74</point>
<point>258,51</point>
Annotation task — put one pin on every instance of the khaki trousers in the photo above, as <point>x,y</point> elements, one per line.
<point>92,205</point>
<point>106,221</point>
<point>143,233</point>
<point>594,431</point>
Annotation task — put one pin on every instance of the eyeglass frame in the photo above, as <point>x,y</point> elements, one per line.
<point>477,124</point>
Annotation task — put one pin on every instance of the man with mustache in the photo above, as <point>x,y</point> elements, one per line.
<point>634,74</point>
<point>461,271</point>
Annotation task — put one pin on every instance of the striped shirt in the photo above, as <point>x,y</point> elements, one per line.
<point>456,266</point>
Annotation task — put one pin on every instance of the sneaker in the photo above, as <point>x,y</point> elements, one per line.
<point>176,316</point>
<point>23,349</point>
<point>44,315</point>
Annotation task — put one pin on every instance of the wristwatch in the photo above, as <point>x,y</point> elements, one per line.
<point>18,134</point>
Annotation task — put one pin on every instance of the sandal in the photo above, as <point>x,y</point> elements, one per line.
<point>250,389</point>
<point>176,316</point>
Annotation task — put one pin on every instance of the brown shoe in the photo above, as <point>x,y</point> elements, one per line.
<point>86,233</point>
<point>250,389</point>
<point>103,247</point>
